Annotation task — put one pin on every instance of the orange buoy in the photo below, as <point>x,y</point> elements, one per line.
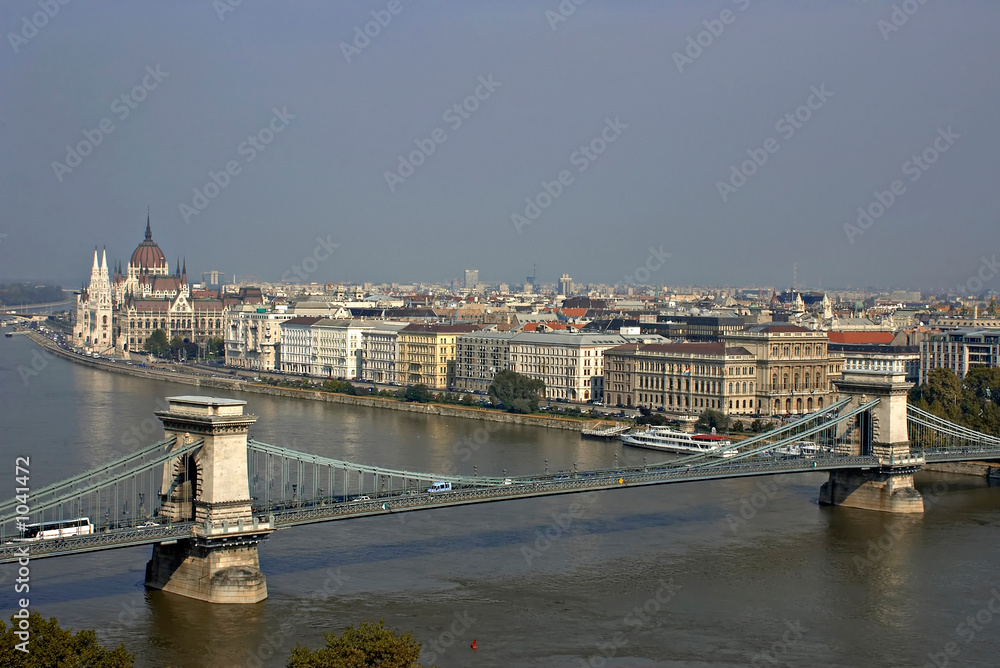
<point>473,643</point>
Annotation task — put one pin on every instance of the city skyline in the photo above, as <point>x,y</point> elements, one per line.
<point>719,144</point>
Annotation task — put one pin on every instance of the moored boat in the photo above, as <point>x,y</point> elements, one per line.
<point>668,440</point>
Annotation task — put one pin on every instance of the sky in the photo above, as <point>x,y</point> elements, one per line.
<point>673,143</point>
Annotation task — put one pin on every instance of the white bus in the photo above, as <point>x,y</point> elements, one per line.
<point>439,487</point>
<point>76,527</point>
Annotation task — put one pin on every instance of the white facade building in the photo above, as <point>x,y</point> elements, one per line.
<point>379,352</point>
<point>570,364</point>
<point>337,344</point>
<point>253,337</point>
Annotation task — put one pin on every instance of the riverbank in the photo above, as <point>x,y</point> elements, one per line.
<point>236,385</point>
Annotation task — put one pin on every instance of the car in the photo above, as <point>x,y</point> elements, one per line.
<point>147,525</point>
<point>361,498</point>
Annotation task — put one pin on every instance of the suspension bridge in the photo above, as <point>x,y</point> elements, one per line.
<point>207,494</point>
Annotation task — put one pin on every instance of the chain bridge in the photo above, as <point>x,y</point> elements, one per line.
<point>206,495</point>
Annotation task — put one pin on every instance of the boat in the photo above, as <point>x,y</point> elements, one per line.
<point>800,449</point>
<point>668,440</point>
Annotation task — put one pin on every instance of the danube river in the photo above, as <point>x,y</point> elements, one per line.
<point>728,573</point>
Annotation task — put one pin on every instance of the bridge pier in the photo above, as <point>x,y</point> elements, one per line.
<point>220,564</point>
<point>884,491</point>
<point>882,433</point>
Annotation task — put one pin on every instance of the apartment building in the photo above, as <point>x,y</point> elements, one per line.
<point>253,337</point>
<point>380,352</point>
<point>959,350</point>
<point>426,353</point>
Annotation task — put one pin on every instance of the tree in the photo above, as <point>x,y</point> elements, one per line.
<point>518,393</point>
<point>368,646</point>
<point>712,419</point>
<point>157,343</point>
<point>49,646</point>
<point>339,386</point>
<point>940,395</point>
<point>419,393</point>
<point>738,427</point>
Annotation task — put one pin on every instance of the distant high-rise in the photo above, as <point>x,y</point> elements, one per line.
<point>565,285</point>
<point>211,278</point>
<point>471,278</point>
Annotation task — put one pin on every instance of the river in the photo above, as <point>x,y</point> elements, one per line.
<point>725,573</point>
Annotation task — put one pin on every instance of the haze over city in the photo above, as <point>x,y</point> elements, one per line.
<point>181,88</point>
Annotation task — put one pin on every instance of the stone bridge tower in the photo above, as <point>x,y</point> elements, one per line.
<point>210,487</point>
<point>882,433</point>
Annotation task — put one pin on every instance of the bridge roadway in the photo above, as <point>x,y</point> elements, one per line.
<point>325,510</point>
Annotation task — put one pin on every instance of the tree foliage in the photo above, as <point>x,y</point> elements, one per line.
<point>713,419</point>
<point>971,402</point>
<point>518,393</point>
<point>50,646</point>
<point>157,344</point>
<point>368,646</point>
<point>339,386</point>
<point>16,294</point>
<point>419,393</point>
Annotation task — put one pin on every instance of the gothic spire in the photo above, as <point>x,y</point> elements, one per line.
<point>149,231</point>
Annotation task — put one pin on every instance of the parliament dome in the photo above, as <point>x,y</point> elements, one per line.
<point>148,256</point>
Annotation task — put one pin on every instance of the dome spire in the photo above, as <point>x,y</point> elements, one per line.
<point>149,231</point>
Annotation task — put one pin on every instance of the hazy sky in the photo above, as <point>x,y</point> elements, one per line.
<point>331,113</point>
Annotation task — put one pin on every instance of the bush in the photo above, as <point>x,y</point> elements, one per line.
<point>50,646</point>
<point>368,646</point>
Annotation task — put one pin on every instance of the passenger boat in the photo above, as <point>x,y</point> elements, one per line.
<point>668,440</point>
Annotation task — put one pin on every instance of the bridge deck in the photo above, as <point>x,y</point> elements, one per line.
<point>313,512</point>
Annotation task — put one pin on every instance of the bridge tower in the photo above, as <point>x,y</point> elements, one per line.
<point>220,564</point>
<point>883,434</point>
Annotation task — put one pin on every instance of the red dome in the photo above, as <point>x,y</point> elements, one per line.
<point>148,255</point>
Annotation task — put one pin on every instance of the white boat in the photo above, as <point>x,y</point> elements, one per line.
<point>801,449</point>
<point>668,440</point>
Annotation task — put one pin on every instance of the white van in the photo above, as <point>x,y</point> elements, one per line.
<point>439,487</point>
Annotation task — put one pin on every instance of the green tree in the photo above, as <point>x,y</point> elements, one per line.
<point>50,646</point>
<point>339,386</point>
<point>157,343</point>
<point>368,646</point>
<point>940,395</point>
<point>517,392</point>
<point>738,427</point>
<point>713,419</point>
<point>419,393</point>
